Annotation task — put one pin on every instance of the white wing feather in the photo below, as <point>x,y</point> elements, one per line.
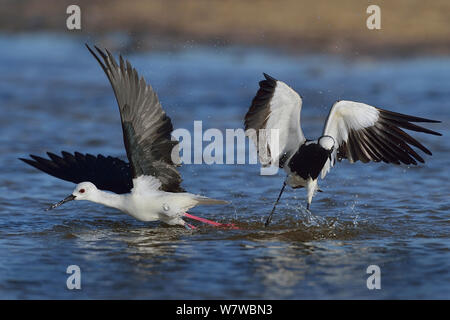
<point>285,108</point>
<point>280,113</point>
<point>346,116</point>
<point>144,184</point>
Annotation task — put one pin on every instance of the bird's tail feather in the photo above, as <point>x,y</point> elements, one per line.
<point>208,201</point>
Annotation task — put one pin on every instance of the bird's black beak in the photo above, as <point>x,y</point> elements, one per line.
<point>53,206</point>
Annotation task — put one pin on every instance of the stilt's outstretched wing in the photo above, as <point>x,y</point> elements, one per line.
<point>146,127</point>
<point>366,133</point>
<point>275,106</point>
<point>107,173</point>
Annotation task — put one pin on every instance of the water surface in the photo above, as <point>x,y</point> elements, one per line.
<point>54,96</point>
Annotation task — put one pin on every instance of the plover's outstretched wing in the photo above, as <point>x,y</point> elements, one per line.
<point>366,133</point>
<point>275,106</point>
<point>146,127</point>
<point>107,173</point>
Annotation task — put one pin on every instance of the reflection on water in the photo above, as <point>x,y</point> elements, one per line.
<point>54,97</point>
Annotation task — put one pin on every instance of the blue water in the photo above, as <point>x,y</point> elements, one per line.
<point>54,96</point>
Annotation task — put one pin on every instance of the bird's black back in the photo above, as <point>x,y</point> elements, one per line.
<point>309,160</point>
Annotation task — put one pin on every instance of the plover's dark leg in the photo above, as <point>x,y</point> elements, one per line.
<point>269,218</point>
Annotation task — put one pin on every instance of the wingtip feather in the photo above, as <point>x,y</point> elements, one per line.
<point>268,77</point>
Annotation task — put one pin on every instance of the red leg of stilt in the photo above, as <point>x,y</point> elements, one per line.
<point>190,216</point>
<point>213,223</point>
<point>190,226</point>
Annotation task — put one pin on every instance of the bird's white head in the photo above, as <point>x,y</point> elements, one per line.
<point>83,191</point>
<point>327,142</point>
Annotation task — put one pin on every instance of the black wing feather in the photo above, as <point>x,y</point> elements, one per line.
<point>107,173</point>
<point>259,111</point>
<point>386,141</point>
<point>146,127</point>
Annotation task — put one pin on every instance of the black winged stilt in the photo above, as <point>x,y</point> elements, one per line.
<point>353,131</point>
<point>148,187</point>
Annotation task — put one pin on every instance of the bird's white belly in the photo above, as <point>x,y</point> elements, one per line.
<point>159,206</point>
<point>294,180</point>
<point>146,208</point>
